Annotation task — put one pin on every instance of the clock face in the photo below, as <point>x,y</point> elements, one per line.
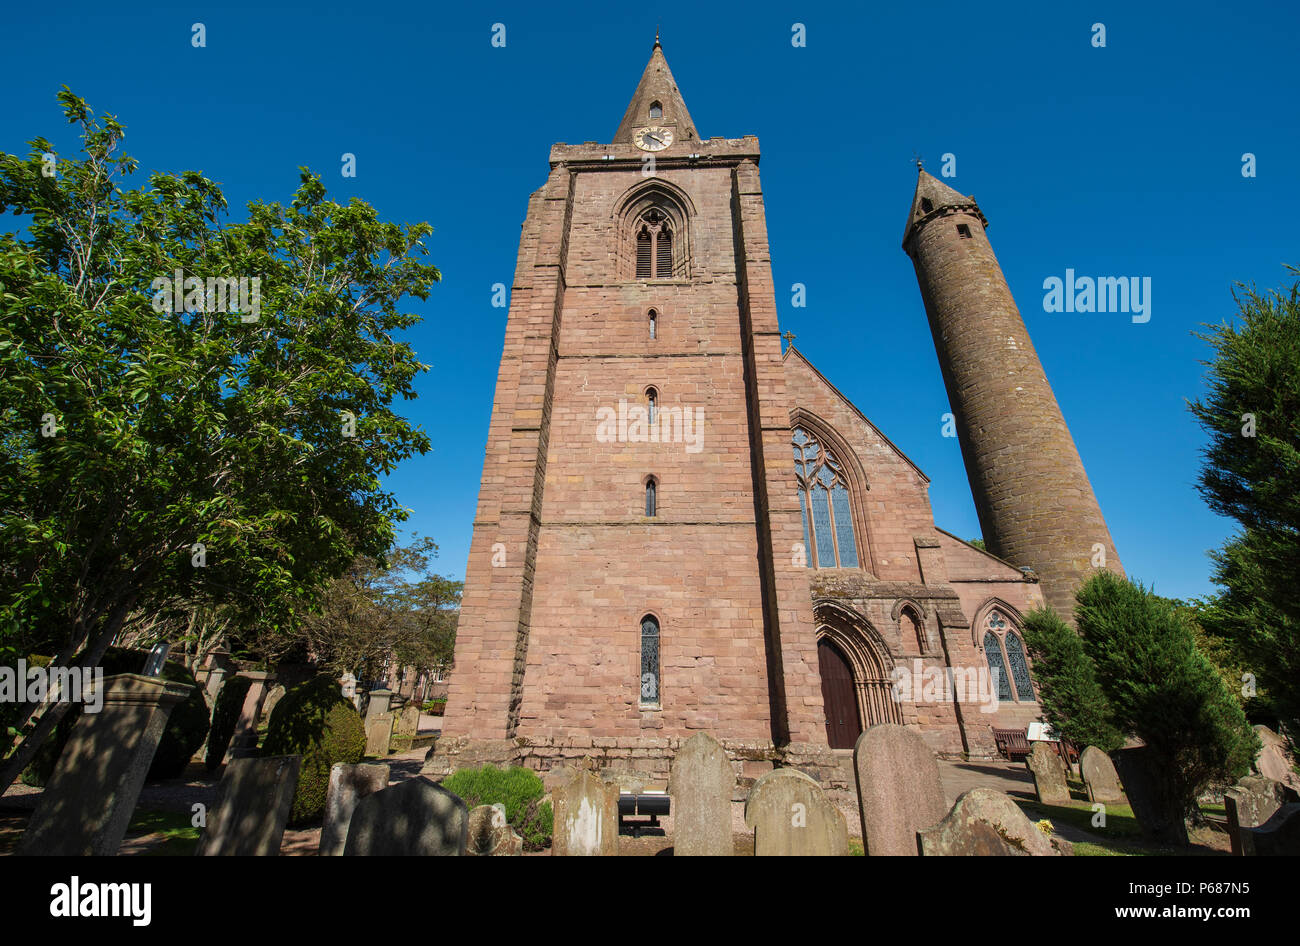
<point>653,138</point>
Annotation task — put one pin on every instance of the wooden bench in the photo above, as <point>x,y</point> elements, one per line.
<point>1013,744</point>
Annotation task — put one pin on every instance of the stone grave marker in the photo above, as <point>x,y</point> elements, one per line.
<point>244,741</point>
<point>348,785</point>
<point>1250,803</point>
<point>1279,836</point>
<point>586,816</point>
<point>414,818</point>
<point>490,835</point>
<point>1050,775</point>
<point>1099,776</point>
<point>899,789</point>
<point>252,807</point>
<point>1158,818</point>
<point>88,801</point>
<point>700,785</point>
<point>379,734</point>
<point>790,815</point>
<point>986,823</point>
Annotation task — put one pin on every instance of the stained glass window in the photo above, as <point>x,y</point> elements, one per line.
<point>824,500</point>
<point>649,660</point>
<point>1019,666</point>
<point>993,654</point>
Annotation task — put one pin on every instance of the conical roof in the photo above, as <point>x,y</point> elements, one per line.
<point>656,86</point>
<point>938,194</point>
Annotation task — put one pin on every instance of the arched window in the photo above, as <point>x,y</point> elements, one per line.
<point>824,500</point>
<point>1004,652</point>
<point>652,403</point>
<point>910,622</point>
<point>656,110</point>
<point>654,245</point>
<point>649,660</point>
<point>650,487</point>
<point>654,318</point>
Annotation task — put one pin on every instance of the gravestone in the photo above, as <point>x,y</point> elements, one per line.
<point>1099,776</point>
<point>405,727</point>
<point>899,790</point>
<point>415,818</point>
<point>700,783</point>
<point>1159,817</point>
<point>1279,836</point>
<point>490,834</point>
<point>244,741</point>
<point>89,798</point>
<point>379,734</point>
<point>272,698</point>
<point>1273,760</point>
<point>790,816</point>
<point>252,807</point>
<point>1250,803</point>
<point>586,817</point>
<point>1050,775</point>
<point>985,823</point>
<point>348,785</point>
<point>378,703</point>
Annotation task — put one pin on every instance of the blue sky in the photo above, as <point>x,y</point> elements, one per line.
<point>1124,161</point>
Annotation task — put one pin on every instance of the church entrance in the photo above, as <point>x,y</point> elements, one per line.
<point>839,695</point>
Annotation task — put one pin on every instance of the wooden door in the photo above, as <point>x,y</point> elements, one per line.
<point>839,695</point>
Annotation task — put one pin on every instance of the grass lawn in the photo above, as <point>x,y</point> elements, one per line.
<point>182,837</point>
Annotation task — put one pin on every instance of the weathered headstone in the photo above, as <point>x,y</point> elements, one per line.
<point>1279,836</point>
<point>408,722</point>
<point>244,741</point>
<point>1050,776</point>
<point>1250,803</point>
<point>1274,760</point>
<point>790,815</point>
<point>379,734</point>
<point>700,784</point>
<point>348,785</point>
<point>88,801</point>
<point>899,789</point>
<point>275,695</point>
<point>1099,776</point>
<point>986,823</point>
<point>586,816</point>
<point>1159,817</point>
<point>378,703</point>
<point>415,818</point>
<point>252,807</point>
<point>490,834</point>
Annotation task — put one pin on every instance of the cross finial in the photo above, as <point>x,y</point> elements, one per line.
<point>789,338</point>
<point>916,159</point>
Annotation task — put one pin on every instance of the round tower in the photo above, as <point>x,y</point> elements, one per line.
<point>1035,504</point>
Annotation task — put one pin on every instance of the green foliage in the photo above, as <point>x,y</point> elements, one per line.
<point>314,720</point>
<point>1069,694</point>
<point>518,789</point>
<point>1161,688</point>
<point>225,715</point>
<point>174,426</point>
<point>979,544</point>
<point>434,707</point>
<point>1251,473</point>
<point>187,726</point>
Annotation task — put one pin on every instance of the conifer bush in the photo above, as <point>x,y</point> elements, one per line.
<point>314,720</point>
<point>1068,692</point>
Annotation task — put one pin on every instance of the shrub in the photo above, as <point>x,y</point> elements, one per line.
<point>1160,687</point>
<point>434,707</point>
<point>1068,691</point>
<point>314,720</point>
<point>225,714</point>
<point>518,789</point>
<point>186,727</point>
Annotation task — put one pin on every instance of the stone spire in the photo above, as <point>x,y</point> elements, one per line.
<point>935,195</point>
<point>657,86</point>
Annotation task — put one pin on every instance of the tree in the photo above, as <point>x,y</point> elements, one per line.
<point>1068,692</point>
<point>1251,473</point>
<point>1160,688</point>
<point>220,445</point>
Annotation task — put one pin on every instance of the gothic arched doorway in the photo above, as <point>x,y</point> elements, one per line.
<point>839,696</point>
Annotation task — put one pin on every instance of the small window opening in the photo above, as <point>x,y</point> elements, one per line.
<point>652,398</point>
<point>963,231</point>
<point>656,110</point>
<point>650,496</point>
<point>654,317</point>
<point>926,206</point>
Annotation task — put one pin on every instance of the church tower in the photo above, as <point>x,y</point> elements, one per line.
<point>1035,504</point>
<point>634,575</point>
